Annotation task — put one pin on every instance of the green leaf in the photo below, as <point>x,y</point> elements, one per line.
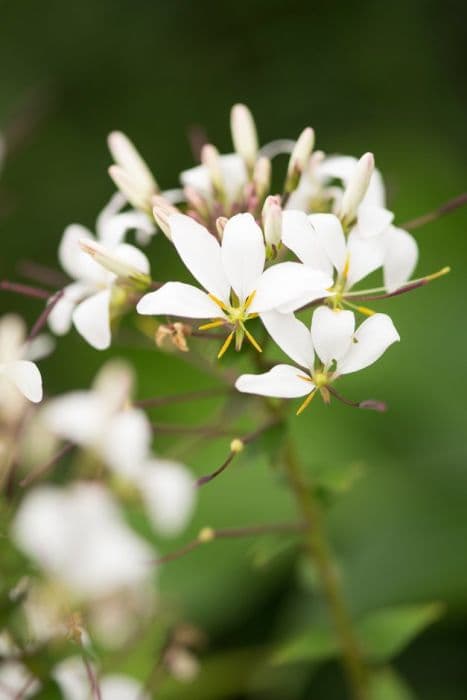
<point>385,633</point>
<point>49,690</point>
<point>387,685</point>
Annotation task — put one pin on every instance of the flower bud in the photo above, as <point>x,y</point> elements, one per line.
<point>162,210</point>
<point>237,445</point>
<point>272,221</point>
<point>262,177</point>
<point>211,160</point>
<point>356,189</point>
<point>131,174</point>
<point>244,134</point>
<point>116,264</point>
<point>221,221</point>
<point>299,158</point>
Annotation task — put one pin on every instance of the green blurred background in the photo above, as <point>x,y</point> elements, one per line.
<point>386,77</point>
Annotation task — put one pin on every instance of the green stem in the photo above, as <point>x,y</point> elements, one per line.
<point>322,558</point>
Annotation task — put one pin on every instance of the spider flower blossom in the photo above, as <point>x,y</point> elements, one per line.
<point>332,347</point>
<point>237,286</point>
<point>73,680</point>
<point>17,371</point>
<point>78,536</point>
<point>103,421</point>
<point>98,293</point>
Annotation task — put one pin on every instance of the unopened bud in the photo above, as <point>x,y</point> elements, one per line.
<point>131,174</point>
<point>207,534</point>
<point>262,177</point>
<point>116,263</point>
<point>299,158</point>
<point>211,160</point>
<point>237,445</point>
<point>221,222</point>
<point>356,189</point>
<point>162,210</point>
<point>272,221</point>
<point>175,334</point>
<point>181,664</point>
<point>196,201</point>
<point>244,136</point>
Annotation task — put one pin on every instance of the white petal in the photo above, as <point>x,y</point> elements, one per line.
<point>91,319</point>
<point>118,687</point>
<point>331,332</point>
<point>79,416</point>
<point>371,340</point>
<point>400,258</point>
<point>111,209</point>
<point>365,256</point>
<point>282,381</point>
<point>201,254</point>
<point>60,317</point>
<point>372,220</point>
<point>39,347</point>
<point>113,230</point>
<point>331,237</point>
<point>169,494</point>
<point>132,256</point>
<point>126,442</point>
<point>127,157</point>
<point>291,335</point>
<point>12,336</point>
<point>243,254</point>
<point>342,168</point>
<point>114,384</point>
<point>178,299</point>
<point>27,378</point>
<point>287,282</point>
<point>300,237</point>
<point>78,264</point>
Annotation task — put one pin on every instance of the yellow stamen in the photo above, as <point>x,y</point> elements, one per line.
<point>226,344</point>
<point>307,402</point>
<point>249,300</point>
<point>305,379</point>
<point>212,324</point>
<point>217,301</point>
<point>252,340</point>
<point>345,271</point>
<point>440,273</point>
<point>361,309</point>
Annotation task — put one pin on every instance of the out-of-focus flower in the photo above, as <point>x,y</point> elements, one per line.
<point>15,679</point>
<point>97,294</point>
<point>237,286</point>
<point>78,536</point>
<point>332,341</point>
<point>17,372</point>
<point>103,421</point>
<point>73,680</point>
<point>130,172</point>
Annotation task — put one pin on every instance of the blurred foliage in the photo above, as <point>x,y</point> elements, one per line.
<point>367,76</point>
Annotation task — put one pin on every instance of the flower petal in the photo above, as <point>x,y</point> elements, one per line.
<point>79,416</point>
<point>300,237</point>
<point>243,254</point>
<point>287,282</point>
<point>201,254</point>
<point>27,378</point>
<point>113,230</point>
<point>168,491</point>
<point>12,336</point>
<point>365,256</point>
<point>132,256</point>
<point>331,237</point>
<point>371,340</point>
<point>400,258</point>
<point>372,220</point>
<point>291,335</point>
<point>331,332</point>
<point>178,299</point>
<point>60,317</point>
<point>282,381</point>
<point>91,319</point>
<point>78,264</point>
<point>126,442</point>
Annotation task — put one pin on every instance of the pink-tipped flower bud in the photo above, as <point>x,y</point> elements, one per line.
<point>299,158</point>
<point>262,177</point>
<point>130,172</point>
<point>244,136</point>
<point>272,221</point>
<point>211,160</point>
<point>162,210</point>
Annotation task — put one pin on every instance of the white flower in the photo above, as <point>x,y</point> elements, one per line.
<point>73,680</point>
<point>237,286</point>
<point>102,420</point>
<point>77,535</point>
<point>17,372</point>
<point>130,172</point>
<point>15,679</point>
<point>86,301</point>
<point>232,176</point>
<point>331,348</point>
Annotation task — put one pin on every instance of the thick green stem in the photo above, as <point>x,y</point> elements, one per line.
<point>322,559</point>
